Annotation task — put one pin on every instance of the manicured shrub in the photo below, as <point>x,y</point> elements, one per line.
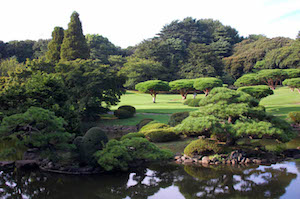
<point>194,102</point>
<point>128,108</point>
<point>257,92</point>
<point>117,155</point>
<point>194,126</point>
<point>143,122</point>
<point>161,135</point>
<point>206,84</point>
<point>132,135</point>
<point>176,118</point>
<point>295,116</point>
<point>123,114</point>
<point>187,101</point>
<point>292,83</point>
<point>153,125</point>
<point>37,128</point>
<point>94,140</point>
<point>201,147</point>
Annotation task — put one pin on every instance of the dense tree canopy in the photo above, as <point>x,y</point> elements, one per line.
<point>139,70</point>
<point>292,83</point>
<point>205,84</point>
<point>101,48</point>
<point>54,46</point>
<point>74,44</point>
<point>153,87</point>
<point>183,86</point>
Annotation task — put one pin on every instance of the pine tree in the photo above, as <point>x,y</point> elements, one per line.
<point>74,44</point>
<point>54,46</point>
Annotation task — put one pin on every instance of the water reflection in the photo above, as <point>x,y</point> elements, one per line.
<point>159,181</point>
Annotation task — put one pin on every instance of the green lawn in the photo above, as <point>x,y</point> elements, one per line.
<point>281,103</point>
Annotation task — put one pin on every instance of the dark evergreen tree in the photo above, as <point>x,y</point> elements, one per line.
<point>74,45</point>
<point>54,46</point>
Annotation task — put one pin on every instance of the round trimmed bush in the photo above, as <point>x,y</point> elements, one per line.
<point>143,122</point>
<point>257,92</point>
<point>201,147</point>
<point>94,140</point>
<point>153,125</point>
<point>176,118</point>
<point>128,108</point>
<point>123,114</point>
<point>162,135</point>
<point>194,103</point>
<point>132,135</point>
<point>187,101</point>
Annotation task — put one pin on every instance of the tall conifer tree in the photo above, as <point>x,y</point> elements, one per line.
<point>54,46</point>
<point>74,44</point>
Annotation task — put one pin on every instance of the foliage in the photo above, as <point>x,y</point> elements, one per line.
<point>271,77</point>
<point>161,135</point>
<point>207,83</point>
<point>201,147</point>
<point>227,115</point>
<point>74,44</point>
<point>139,70</point>
<point>128,108</point>
<point>295,116</point>
<point>194,102</point>
<point>54,46</point>
<point>285,57</point>
<point>101,48</point>
<point>132,135</point>
<point>123,113</point>
<point>37,128</point>
<point>152,86</point>
<point>94,140</point>
<point>176,118</point>
<point>257,92</point>
<point>118,155</point>
<point>202,62</point>
<point>143,122</point>
<point>183,86</point>
<point>248,52</point>
<point>247,80</point>
<point>9,65</point>
<point>292,83</point>
<point>153,125</point>
<point>92,87</point>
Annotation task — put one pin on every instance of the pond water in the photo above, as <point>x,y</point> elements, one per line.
<point>281,180</point>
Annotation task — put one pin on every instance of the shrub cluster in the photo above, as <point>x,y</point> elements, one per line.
<point>132,135</point>
<point>192,102</point>
<point>124,112</point>
<point>257,92</point>
<point>153,125</point>
<point>176,118</point>
<point>94,140</point>
<point>37,128</point>
<point>161,135</point>
<point>201,147</point>
<point>117,155</point>
<point>143,122</point>
<point>295,116</point>
<point>229,114</point>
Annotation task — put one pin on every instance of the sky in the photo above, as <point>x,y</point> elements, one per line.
<point>128,22</point>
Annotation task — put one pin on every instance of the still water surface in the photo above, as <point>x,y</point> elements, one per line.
<point>280,180</point>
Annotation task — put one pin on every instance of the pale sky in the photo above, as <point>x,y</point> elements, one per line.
<point>128,22</point>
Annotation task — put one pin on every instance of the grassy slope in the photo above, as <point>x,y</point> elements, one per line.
<point>282,102</point>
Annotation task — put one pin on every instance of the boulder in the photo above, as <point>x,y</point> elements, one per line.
<point>7,165</point>
<point>26,164</point>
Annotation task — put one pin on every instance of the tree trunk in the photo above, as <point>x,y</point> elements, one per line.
<point>154,97</point>
<point>292,89</point>
<point>298,89</point>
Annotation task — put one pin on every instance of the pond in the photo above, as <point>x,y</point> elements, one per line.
<point>281,180</point>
